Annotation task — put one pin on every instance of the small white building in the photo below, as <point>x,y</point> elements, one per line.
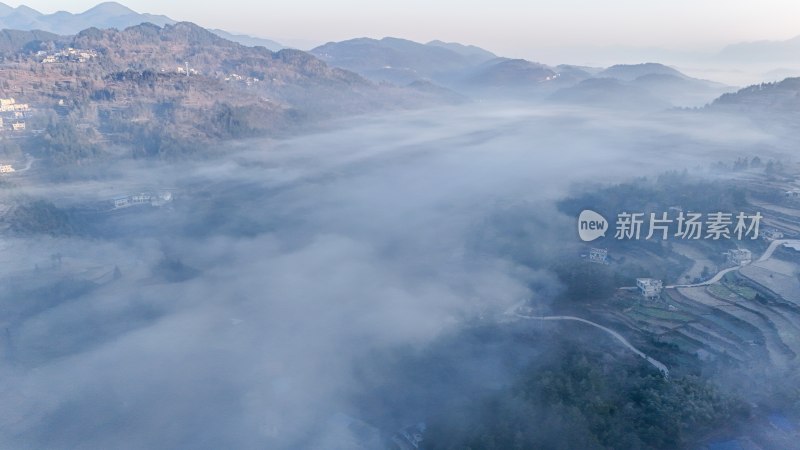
<point>649,287</point>
<point>121,202</point>
<point>771,234</point>
<point>792,193</point>
<point>6,168</point>
<point>11,105</point>
<point>740,257</point>
<point>598,255</point>
<point>139,199</point>
<point>161,199</point>
<point>18,126</point>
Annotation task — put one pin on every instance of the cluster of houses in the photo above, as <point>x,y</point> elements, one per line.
<point>242,79</point>
<point>181,70</point>
<point>13,114</point>
<point>143,198</point>
<point>186,70</point>
<point>67,55</point>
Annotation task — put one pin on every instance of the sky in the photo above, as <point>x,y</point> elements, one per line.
<point>509,27</point>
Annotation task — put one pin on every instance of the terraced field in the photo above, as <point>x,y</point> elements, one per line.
<point>779,276</point>
<point>742,317</point>
<point>725,320</point>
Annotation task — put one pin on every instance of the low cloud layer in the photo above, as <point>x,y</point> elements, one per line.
<point>238,311</point>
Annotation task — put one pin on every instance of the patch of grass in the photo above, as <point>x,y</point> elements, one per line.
<point>732,292</point>
<point>721,291</point>
<point>661,314</point>
<point>745,292</point>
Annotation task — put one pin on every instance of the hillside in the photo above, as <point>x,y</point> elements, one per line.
<point>402,61</point>
<point>630,72</point>
<point>766,102</point>
<point>502,73</point>
<point>13,41</point>
<point>474,53</point>
<point>175,89</point>
<point>609,93</point>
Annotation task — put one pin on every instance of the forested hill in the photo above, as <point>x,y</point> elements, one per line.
<point>164,91</point>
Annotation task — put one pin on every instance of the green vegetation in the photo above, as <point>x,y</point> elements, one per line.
<point>588,400</point>
<point>657,195</point>
<point>174,270</point>
<point>10,151</point>
<point>732,292</point>
<point>62,143</point>
<point>586,281</point>
<point>41,217</point>
<point>647,312</point>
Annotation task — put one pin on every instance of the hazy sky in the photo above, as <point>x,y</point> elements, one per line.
<point>510,27</point>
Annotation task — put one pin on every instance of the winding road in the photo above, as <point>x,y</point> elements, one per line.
<point>654,362</point>
<point>767,255</point>
<point>28,164</point>
<point>708,282</point>
<point>774,246</point>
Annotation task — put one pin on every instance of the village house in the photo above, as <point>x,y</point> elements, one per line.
<point>11,105</point>
<point>649,288</point>
<point>739,257</point>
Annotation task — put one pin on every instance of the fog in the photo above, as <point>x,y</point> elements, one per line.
<point>243,310</point>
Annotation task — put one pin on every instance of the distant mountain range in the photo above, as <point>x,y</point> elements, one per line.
<point>446,69</point>
<point>658,84</point>
<point>478,72</point>
<point>177,87</point>
<point>763,52</point>
<point>104,15</point>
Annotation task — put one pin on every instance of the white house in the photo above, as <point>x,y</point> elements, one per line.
<point>598,255</point>
<point>139,199</point>
<point>649,287</point>
<point>740,257</point>
<point>121,202</point>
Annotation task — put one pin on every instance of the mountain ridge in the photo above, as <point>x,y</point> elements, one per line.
<point>772,51</point>
<point>103,15</point>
